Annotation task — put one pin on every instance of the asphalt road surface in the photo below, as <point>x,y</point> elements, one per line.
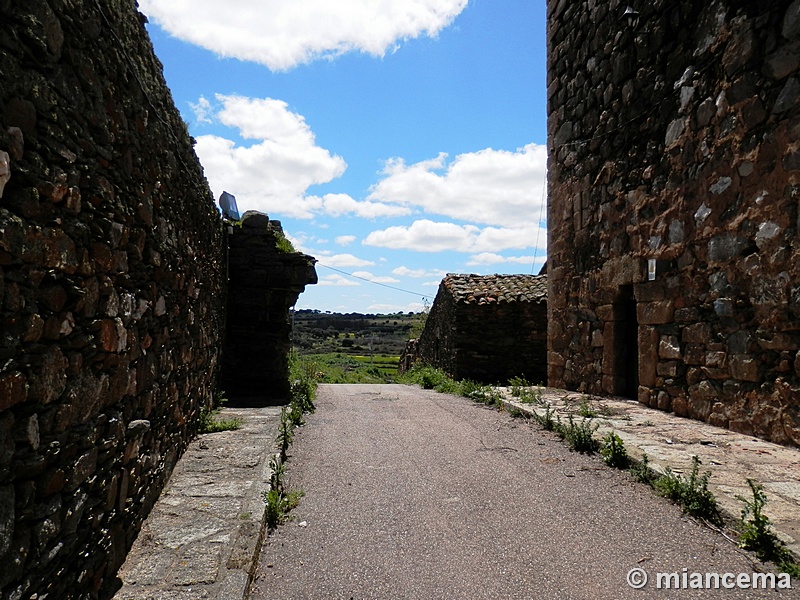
<point>411,494</point>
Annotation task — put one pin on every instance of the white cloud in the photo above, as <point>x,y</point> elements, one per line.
<point>281,34</point>
<point>343,260</point>
<point>373,278</point>
<point>492,187</point>
<point>417,273</point>
<point>337,205</point>
<point>202,110</point>
<point>337,280</point>
<point>490,258</point>
<point>345,240</point>
<point>431,236</point>
<point>273,174</point>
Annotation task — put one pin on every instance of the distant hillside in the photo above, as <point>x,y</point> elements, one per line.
<point>316,332</point>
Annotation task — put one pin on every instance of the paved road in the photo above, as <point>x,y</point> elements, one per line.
<point>419,495</point>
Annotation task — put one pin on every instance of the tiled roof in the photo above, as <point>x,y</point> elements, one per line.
<point>488,289</point>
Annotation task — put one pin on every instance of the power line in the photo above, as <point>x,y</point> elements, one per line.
<point>391,287</point>
<point>539,222</point>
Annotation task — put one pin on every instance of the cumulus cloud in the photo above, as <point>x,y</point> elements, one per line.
<point>337,281</point>
<point>491,187</point>
<point>375,278</point>
<point>337,205</point>
<point>202,110</point>
<point>274,173</point>
<point>430,236</point>
<point>344,260</point>
<point>490,258</point>
<point>345,240</point>
<point>418,273</point>
<point>281,34</point>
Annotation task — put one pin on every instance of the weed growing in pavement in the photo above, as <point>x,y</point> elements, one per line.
<point>516,413</point>
<point>303,378</point>
<point>522,390</point>
<point>279,501</point>
<point>285,433</point>
<point>757,534</point>
<point>518,386</point>
<point>578,435</point>
<point>208,421</point>
<point>546,420</point>
<point>691,494</point>
<point>641,471</point>
<point>613,451</point>
<point>430,378</point>
<point>483,394</point>
<point>585,409</point>
<point>277,470</point>
<point>279,504</point>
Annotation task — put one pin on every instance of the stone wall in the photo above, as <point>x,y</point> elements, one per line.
<point>110,292</point>
<point>673,150</point>
<point>487,328</point>
<point>264,283</point>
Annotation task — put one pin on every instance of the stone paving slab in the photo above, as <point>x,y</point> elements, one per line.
<point>204,534</point>
<point>671,441</point>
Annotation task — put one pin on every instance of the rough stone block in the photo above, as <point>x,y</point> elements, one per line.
<point>610,312</point>
<point>668,368</point>
<point>680,406</point>
<point>655,313</point>
<point>699,333</point>
<point>694,354</point>
<point>744,368</point>
<point>726,247</point>
<point>644,395</point>
<point>664,401</point>
<point>648,355</point>
<point>669,347</point>
<point>13,389</point>
<point>719,415</point>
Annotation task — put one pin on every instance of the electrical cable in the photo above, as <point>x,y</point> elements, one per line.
<point>391,287</point>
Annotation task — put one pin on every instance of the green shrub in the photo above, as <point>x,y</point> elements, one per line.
<point>546,420</point>
<point>641,470</point>
<point>613,451</point>
<point>578,435</point>
<point>483,394</point>
<point>522,389</point>
<point>757,534</point>
<point>691,494</point>
<point>585,409</point>
<point>279,504</point>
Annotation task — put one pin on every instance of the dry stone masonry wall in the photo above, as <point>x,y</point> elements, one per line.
<point>264,283</point>
<point>110,292</point>
<point>674,166</point>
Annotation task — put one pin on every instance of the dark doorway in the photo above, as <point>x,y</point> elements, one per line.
<point>628,353</point>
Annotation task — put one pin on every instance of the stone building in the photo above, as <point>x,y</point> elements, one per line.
<point>674,180</point>
<point>487,328</point>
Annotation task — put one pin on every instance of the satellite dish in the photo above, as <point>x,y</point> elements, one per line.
<point>227,202</point>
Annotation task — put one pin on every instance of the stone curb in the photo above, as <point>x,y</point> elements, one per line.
<point>671,441</point>
<point>203,537</point>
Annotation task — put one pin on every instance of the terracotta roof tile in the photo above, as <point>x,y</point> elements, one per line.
<point>488,289</point>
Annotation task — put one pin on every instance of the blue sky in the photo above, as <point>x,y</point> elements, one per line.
<point>396,141</point>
